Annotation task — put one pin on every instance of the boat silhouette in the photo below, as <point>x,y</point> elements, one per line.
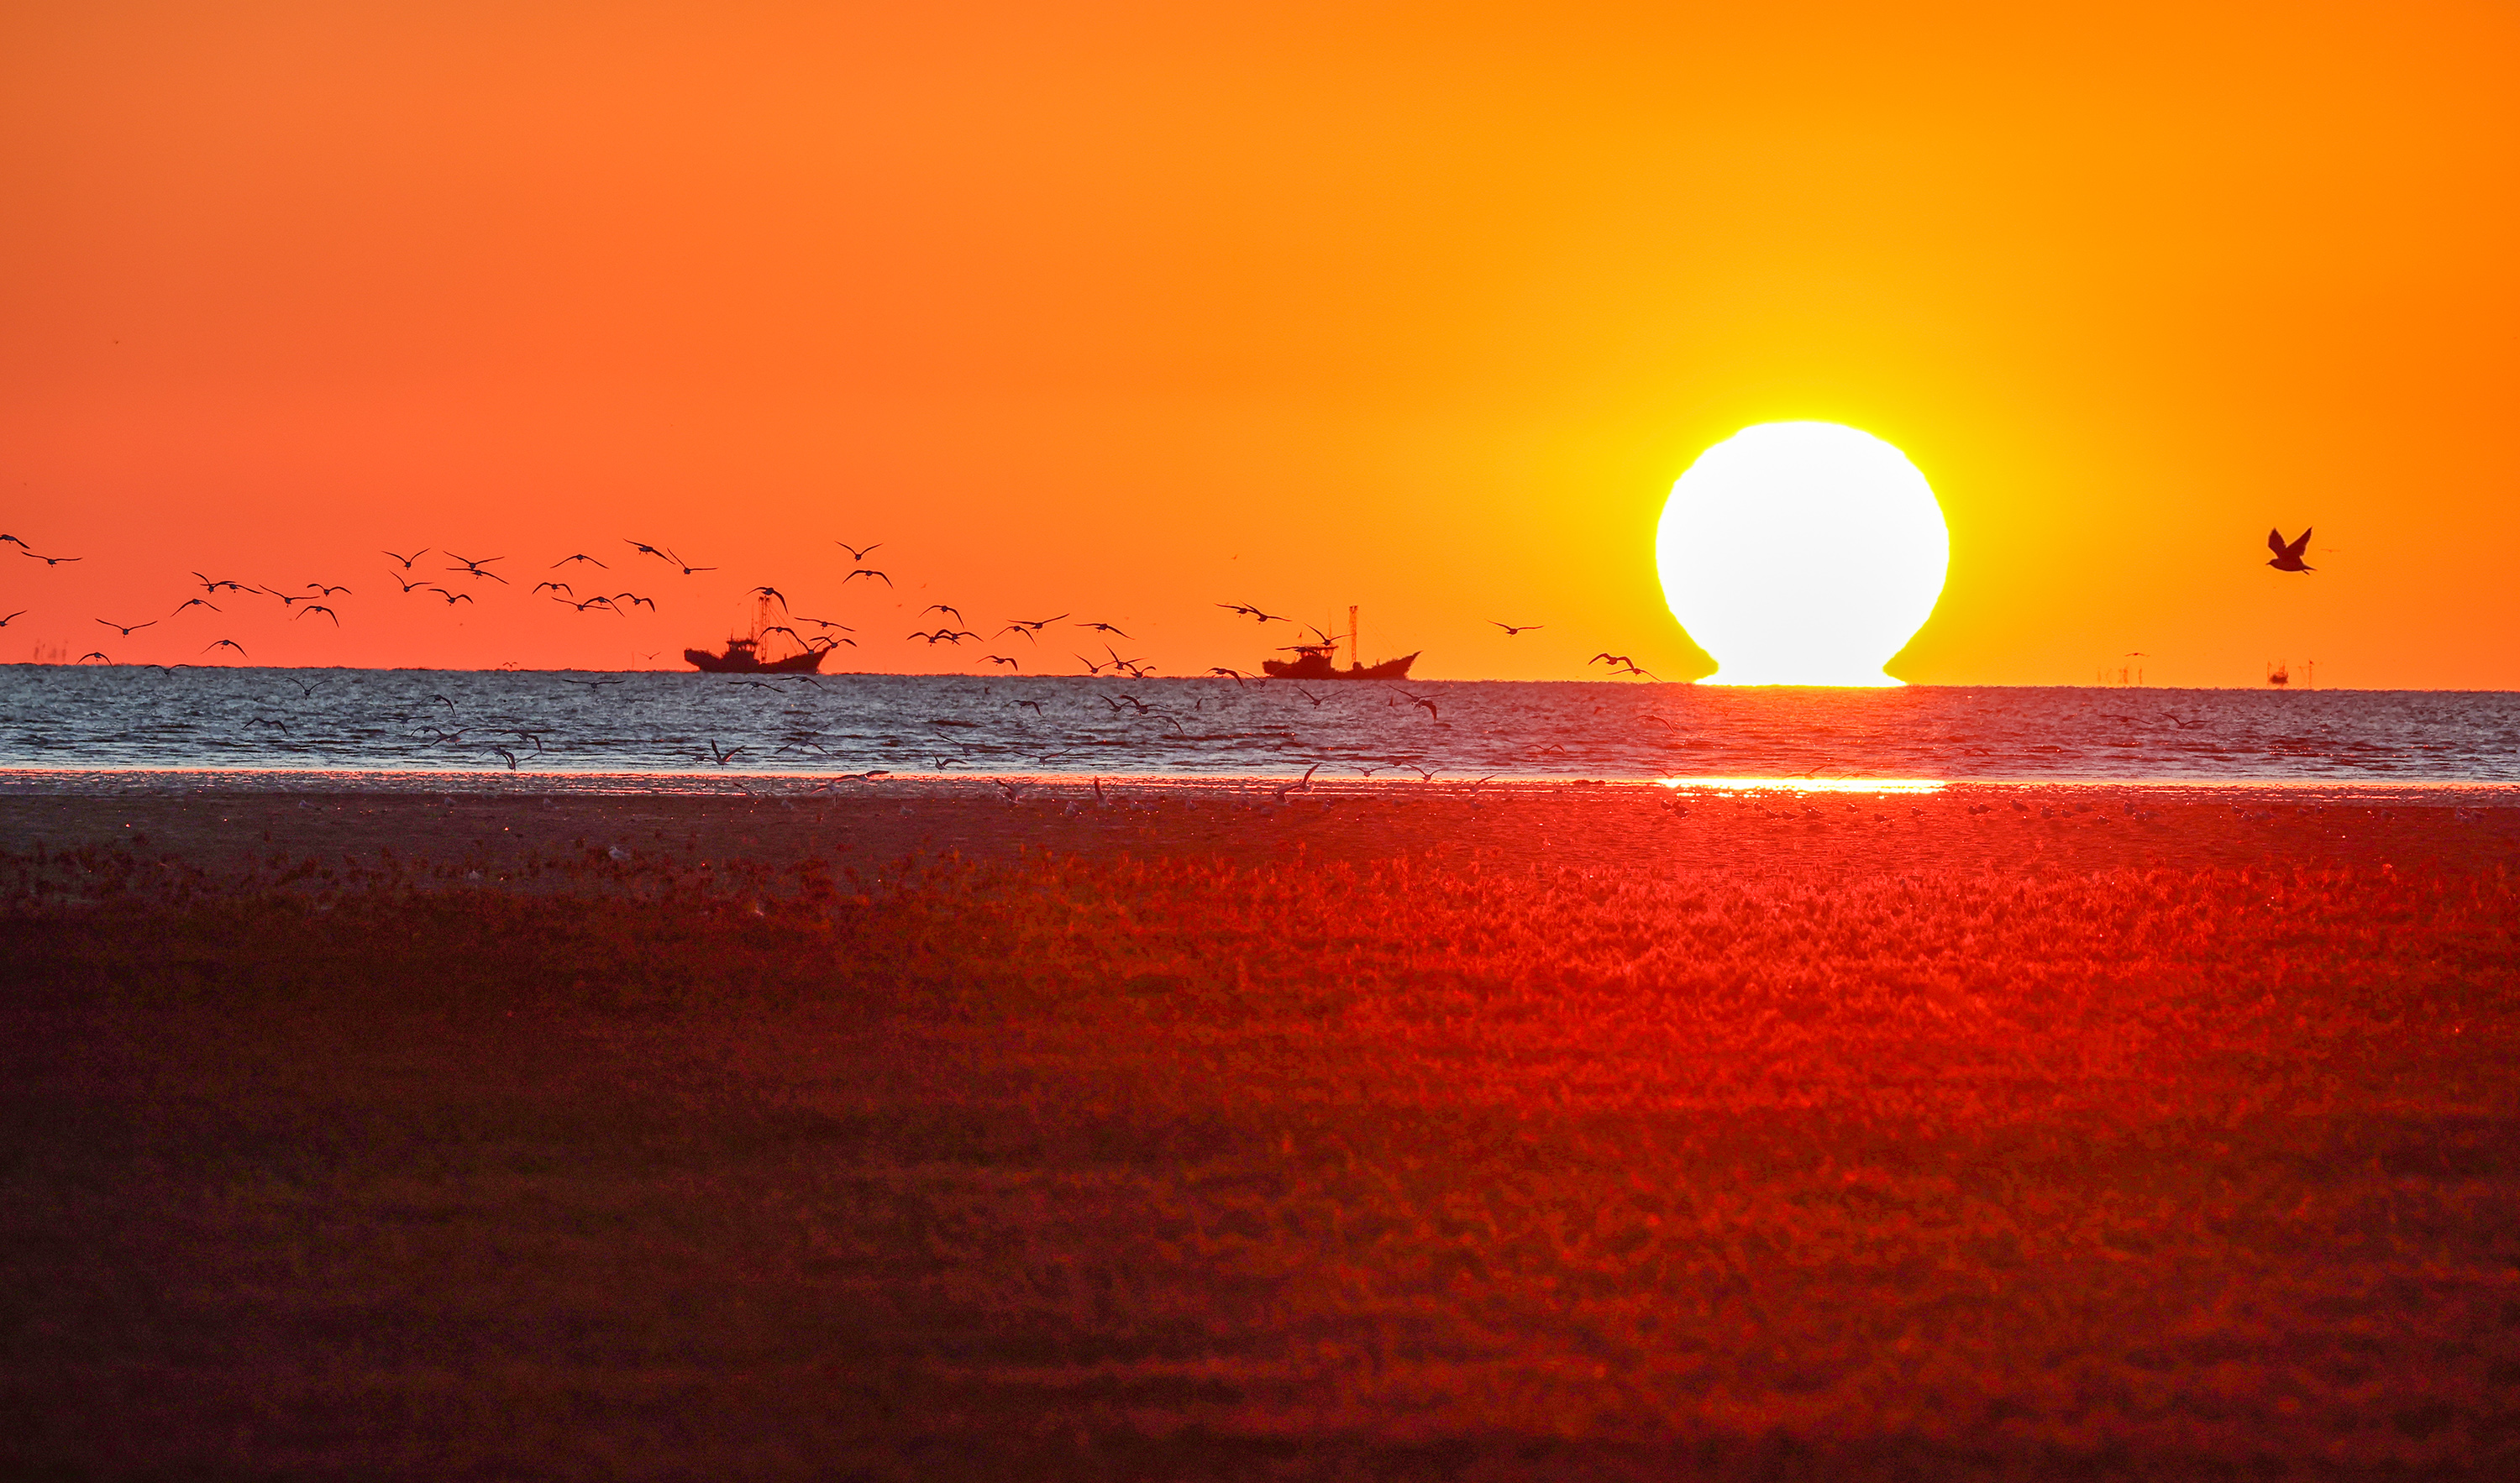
<point>745,654</point>
<point>1319,662</point>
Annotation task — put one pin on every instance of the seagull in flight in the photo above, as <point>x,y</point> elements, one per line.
<point>943,607</point>
<point>127,631</point>
<point>827,623</point>
<point>51,561</point>
<point>1511,629</point>
<point>224,644</point>
<point>865,571</point>
<point>560,587</point>
<point>2288,554</point>
<point>1103,628</point>
<point>321,590</point>
<point>768,592</point>
<point>397,556</point>
<point>475,567</point>
<point>312,609</point>
<point>1250,611</point>
<point>564,560</point>
<point>688,569</point>
<point>19,613</point>
<point>858,552</point>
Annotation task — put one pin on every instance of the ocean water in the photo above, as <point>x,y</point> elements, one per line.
<point>438,728</point>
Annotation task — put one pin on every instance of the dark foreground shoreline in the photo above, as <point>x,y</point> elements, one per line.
<point>1533,1133</point>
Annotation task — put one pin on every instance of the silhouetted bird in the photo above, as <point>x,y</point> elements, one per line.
<point>224,644</point>
<point>126,629</point>
<point>865,571</point>
<point>1511,629</point>
<point>2288,555</point>
<point>473,567</point>
<point>857,554</point>
<point>564,560</point>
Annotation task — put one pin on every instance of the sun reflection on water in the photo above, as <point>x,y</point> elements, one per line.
<point>1805,785</point>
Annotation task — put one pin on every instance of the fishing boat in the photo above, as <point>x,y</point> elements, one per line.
<point>750,653</point>
<point>1319,662</point>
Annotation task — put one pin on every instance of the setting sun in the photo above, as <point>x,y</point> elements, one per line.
<point>1802,553</point>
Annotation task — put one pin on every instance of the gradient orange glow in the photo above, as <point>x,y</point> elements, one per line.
<point>1128,310</point>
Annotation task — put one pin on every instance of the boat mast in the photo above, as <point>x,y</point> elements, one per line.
<point>1354,655</point>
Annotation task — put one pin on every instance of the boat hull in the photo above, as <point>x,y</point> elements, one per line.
<point>1314,666</point>
<point>736,662</point>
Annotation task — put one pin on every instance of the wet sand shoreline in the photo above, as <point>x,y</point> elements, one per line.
<point>1631,826</point>
<point>1529,1133</point>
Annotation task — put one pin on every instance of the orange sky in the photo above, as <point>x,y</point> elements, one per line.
<point>1131,309</point>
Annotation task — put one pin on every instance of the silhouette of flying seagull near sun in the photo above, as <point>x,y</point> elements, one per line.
<point>13,617</point>
<point>1511,629</point>
<point>126,630</point>
<point>564,560</point>
<point>50,560</point>
<point>858,552</point>
<point>2288,554</point>
<point>396,555</point>
<point>688,569</point>
<point>224,644</point>
<point>1101,628</point>
<point>865,571</point>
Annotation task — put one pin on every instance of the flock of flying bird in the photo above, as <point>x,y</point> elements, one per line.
<point>315,596</point>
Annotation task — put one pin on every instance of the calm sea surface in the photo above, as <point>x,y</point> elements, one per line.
<point>63,727</point>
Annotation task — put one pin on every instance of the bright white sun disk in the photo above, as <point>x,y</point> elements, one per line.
<point>1802,553</point>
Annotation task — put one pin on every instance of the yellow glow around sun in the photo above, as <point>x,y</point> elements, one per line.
<point>1802,553</point>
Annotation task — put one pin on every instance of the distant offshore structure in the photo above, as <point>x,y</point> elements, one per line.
<point>1319,662</point>
<point>744,652</point>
